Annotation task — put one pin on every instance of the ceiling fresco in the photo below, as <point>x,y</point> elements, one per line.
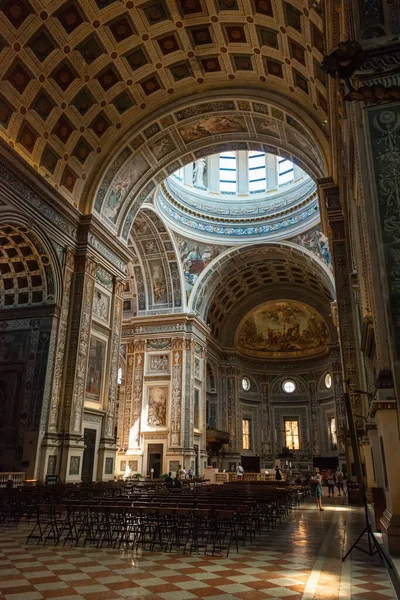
<point>283,329</point>
<point>76,76</point>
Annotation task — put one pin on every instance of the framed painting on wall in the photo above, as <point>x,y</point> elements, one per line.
<point>157,405</point>
<point>94,378</point>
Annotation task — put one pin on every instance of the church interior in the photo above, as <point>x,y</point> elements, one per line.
<point>199,247</point>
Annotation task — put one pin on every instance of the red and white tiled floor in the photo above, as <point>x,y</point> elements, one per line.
<point>299,560</point>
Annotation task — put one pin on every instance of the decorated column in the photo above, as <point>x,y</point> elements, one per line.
<point>266,417</point>
<point>176,398</point>
<point>314,441</point>
<point>341,264</point>
<point>76,367</point>
<point>107,448</point>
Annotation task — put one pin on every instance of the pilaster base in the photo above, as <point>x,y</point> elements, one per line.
<point>106,461</point>
<point>391,532</point>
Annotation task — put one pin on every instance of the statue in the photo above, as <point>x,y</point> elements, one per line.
<point>198,172</point>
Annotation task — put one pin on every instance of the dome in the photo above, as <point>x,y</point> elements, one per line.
<point>239,196</point>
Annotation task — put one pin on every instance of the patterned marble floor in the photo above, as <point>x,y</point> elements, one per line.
<point>299,560</point>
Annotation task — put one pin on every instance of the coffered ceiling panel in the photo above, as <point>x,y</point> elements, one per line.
<point>77,75</point>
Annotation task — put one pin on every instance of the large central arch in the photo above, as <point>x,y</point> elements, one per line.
<point>239,278</point>
<point>189,130</point>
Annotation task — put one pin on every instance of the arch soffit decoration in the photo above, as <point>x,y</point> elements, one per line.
<point>218,273</point>
<point>59,73</point>
<point>50,258</point>
<point>156,269</point>
<point>185,134</point>
<point>27,268</point>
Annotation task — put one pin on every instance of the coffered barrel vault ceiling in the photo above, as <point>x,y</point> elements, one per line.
<point>77,75</point>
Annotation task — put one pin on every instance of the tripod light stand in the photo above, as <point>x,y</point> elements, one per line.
<point>373,545</point>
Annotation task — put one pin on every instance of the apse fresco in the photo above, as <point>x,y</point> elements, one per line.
<point>285,328</point>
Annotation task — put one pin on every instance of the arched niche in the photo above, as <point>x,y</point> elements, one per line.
<point>155,272</point>
<point>240,278</point>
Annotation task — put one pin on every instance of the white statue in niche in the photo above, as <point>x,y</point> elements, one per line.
<point>198,172</point>
<point>159,362</point>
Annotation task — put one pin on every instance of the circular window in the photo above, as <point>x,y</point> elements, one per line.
<point>289,386</point>
<point>246,384</point>
<point>328,380</point>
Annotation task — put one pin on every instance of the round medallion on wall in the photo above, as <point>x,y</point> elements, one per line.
<point>246,384</point>
<point>289,386</point>
<point>328,381</point>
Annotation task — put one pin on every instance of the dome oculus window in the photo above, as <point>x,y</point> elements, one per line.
<point>246,384</point>
<point>328,381</point>
<point>289,386</point>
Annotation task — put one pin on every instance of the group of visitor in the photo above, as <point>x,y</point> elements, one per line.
<point>180,475</point>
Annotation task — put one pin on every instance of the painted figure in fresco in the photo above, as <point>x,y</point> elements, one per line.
<point>283,327</point>
<point>157,406</point>
<point>198,172</point>
<point>115,199</point>
<point>159,290</point>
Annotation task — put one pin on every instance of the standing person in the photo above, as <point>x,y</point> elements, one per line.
<point>316,487</point>
<point>239,472</point>
<point>190,474</point>
<point>181,473</point>
<point>331,484</point>
<point>278,473</point>
<point>339,481</point>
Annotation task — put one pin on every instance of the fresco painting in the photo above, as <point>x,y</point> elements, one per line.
<point>97,355</point>
<point>195,256</point>
<point>283,328</point>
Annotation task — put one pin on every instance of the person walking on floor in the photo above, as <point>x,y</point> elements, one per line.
<point>339,481</point>
<point>316,488</point>
<point>331,484</point>
<point>278,473</point>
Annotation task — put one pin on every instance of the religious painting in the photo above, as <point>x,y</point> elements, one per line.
<point>195,257</point>
<point>196,410</point>
<point>101,305</point>
<point>157,406</point>
<point>13,346</point>
<point>267,126</point>
<point>318,243</point>
<point>97,355</point>
<point>123,185</point>
<point>284,328</point>
<point>158,281</point>
<point>163,147</point>
<point>214,125</point>
<point>158,363</point>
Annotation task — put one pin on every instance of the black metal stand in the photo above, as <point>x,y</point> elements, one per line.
<point>374,546</point>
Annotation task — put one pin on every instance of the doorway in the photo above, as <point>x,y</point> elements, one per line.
<point>155,460</point>
<point>251,464</point>
<point>89,436</point>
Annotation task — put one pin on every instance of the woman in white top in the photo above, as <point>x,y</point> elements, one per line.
<point>239,472</point>
<point>181,473</point>
<point>316,488</point>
